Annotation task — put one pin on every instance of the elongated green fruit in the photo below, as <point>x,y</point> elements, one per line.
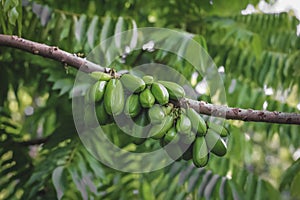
<point>200,152</point>
<point>133,83</point>
<point>100,76</point>
<point>114,97</point>
<point>215,143</point>
<point>223,132</point>
<point>148,80</point>
<point>183,124</point>
<point>87,99</point>
<point>158,131</point>
<point>160,93</point>
<point>156,114</point>
<point>132,106</point>
<point>139,130</point>
<point>188,138</point>
<point>89,117</point>
<point>171,136</point>
<point>175,91</point>
<point>101,114</point>
<point>198,123</point>
<point>96,92</point>
<point>146,98</point>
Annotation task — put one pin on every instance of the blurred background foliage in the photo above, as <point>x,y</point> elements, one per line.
<point>258,55</point>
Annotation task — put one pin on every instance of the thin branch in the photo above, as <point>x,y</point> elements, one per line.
<point>50,52</point>
<point>35,141</point>
<point>242,114</point>
<point>201,107</point>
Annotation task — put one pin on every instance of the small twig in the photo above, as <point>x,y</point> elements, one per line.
<point>50,52</point>
<point>37,141</point>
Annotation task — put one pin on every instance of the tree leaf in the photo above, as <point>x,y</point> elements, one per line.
<point>64,85</point>
<point>134,38</point>
<point>66,30</point>
<point>92,31</point>
<point>13,16</point>
<point>107,29</point>
<point>8,4</point>
<point>80,27</point>
<point>59,181</point>
<point>118,30</point>
<point>289,175</point>
<point>295,192</point>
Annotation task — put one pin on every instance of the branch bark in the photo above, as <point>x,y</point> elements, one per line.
<point>50,52</point>
<point>242,114</point>
<point>201,107</point>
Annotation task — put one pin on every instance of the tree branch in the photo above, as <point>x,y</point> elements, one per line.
<point>201,107</point>
<point>242,114</point>
<point>35,141</point>
<point>50,52</point>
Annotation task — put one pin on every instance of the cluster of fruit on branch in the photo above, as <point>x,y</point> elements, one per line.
<point>148,103</point>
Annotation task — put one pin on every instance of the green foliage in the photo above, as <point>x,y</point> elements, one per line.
<point>249,50</point>
<point>290,177</point>
<point>11,12</point>
<point>257,51</point>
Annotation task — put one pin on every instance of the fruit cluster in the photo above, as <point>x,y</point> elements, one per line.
<point>182,131</point>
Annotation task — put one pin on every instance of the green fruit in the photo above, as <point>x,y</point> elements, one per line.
<point>139,129</point>
<point>89,117</point>
<point>148,80</point>
<point>114,97</point>
<point>100,76</point>
<point>132,106</point>
<point>171,136</point>
<point>198,123</point>
<point>158,131</point>
<point>183,124</point>
<point>87,99</point>
<point>133,83</point>
<point>175,91</point>
<point>215,143</point>
<point>101,114</point>
<point>156,114</point>
<point>146,98</point>
<point>168,108</point>
<point>96,92</point>
<point>188,138</point>
<point>223,132</point>
<point>160,93</point>
<point>200,152</point>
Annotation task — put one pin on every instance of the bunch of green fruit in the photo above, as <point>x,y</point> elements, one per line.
<point>186,135</point>
<point>181,131</point>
